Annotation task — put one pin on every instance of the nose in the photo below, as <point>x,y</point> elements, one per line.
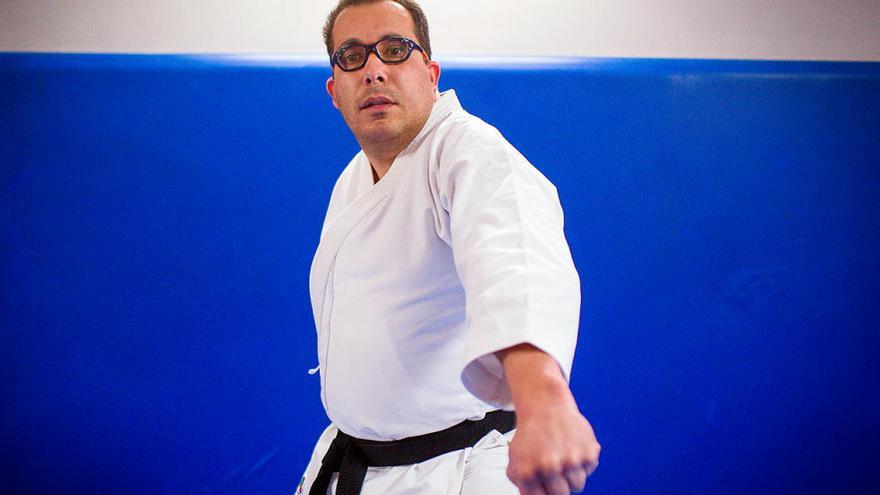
<point>374,70</point>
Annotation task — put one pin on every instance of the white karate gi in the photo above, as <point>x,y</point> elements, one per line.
<point>456,253</point>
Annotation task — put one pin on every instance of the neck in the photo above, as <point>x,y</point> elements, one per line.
<point>382,153</point>
<point>380,160</point>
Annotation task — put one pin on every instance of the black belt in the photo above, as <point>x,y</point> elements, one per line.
<point>350,456</point>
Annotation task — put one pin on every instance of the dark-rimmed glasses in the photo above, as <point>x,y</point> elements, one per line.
<point>389,50</point>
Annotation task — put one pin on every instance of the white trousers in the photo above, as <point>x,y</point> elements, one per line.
<point>477,470</point>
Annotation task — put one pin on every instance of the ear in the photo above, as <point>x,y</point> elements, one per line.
<point>331,91</point>
<point>434,72</point>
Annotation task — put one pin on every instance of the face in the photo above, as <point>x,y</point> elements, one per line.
<point>407,89</point>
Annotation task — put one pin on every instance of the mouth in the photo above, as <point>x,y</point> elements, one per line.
<point>376,103</point>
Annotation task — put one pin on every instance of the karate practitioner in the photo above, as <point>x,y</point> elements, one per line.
<point>443,289</point>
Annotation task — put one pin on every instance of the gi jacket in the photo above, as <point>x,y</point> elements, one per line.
<point>457,252</point>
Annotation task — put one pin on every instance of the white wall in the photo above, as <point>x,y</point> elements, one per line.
<point>754,29</point>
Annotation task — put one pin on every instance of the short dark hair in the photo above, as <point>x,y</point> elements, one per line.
<point>418,16</point>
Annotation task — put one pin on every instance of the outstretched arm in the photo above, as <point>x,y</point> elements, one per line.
<point>554,449</point>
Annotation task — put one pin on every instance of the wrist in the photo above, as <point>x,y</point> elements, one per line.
<point>537,385</point>
<point>548,390</point>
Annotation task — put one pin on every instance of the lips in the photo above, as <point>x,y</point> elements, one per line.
<point>376,100</point>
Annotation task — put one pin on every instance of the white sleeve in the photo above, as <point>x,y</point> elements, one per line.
<point>506,232</point>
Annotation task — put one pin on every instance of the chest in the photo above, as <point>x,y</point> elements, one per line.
<point>401,243</point>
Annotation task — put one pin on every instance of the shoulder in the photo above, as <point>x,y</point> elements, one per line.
<point>349,175</point>
<point>349,172</point>
<point>467,147</point>
<point>461,125</point>
<point>350,183</point>
<point>465,137</point>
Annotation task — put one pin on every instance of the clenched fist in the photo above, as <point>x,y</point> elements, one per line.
<point>554,449</point>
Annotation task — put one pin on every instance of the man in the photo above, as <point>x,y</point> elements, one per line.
<point>442,289</point>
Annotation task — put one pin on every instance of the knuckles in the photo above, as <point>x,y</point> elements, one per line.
<point>537,464</point>
<point>537,458</point>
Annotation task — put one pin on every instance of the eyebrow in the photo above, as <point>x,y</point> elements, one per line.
<point>357,41</point>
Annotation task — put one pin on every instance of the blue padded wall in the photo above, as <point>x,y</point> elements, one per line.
<point>158,215</point>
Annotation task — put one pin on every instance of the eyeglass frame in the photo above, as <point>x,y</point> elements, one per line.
<point>412,45</point>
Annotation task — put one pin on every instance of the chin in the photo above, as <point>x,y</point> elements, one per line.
<point>380,132</point>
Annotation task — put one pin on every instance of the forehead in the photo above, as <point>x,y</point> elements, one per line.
<point>370,22</point>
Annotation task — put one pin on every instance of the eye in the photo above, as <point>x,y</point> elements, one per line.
<point>351,56</point>
<point>394,50</point>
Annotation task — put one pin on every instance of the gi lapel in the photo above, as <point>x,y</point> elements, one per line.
<point>335,235</point>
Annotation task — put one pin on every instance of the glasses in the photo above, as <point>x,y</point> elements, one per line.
<point>389,50</point>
